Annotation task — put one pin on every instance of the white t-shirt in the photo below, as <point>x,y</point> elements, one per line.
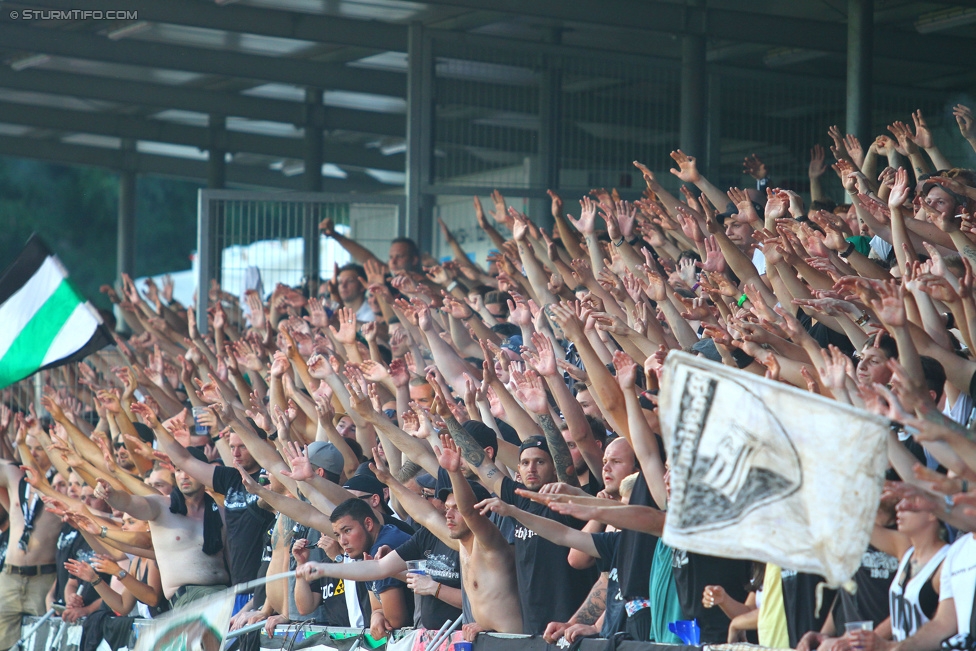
<point>958,579</point>
<point>759,261</point>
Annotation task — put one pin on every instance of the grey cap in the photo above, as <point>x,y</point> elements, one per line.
<point>323,454</point>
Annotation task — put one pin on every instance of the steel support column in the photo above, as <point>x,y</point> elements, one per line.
<point>314,134</point>
<point>418,222</point>
<point>126,228</point>
<point>216,154</point>
<point>546,171</point>
<point>693,96</point>
<point>860,53</point>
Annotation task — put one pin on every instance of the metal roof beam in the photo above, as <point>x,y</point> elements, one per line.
<point>254,20</point>
<point>288,70</point>
<point>151,164</point>
<point>123,126</point>
<point>743,26</point>
<point>198,100</point>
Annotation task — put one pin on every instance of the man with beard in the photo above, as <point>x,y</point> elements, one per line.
<point>187,534</point>
<point>246,521</point>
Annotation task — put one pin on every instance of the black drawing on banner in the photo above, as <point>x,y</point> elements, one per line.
<point>731,455</point>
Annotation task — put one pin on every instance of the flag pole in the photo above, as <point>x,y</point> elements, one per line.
<point>33,629</point>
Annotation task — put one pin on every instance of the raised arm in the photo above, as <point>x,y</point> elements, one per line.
<point>551,530</point>
<point>200,470</point>
<point>141,508</point>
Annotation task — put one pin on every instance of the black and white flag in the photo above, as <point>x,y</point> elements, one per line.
<point>764,471</point>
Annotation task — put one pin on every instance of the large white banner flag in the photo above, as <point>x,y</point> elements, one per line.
<point>764,471</point>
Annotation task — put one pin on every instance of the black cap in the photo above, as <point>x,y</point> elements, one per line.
<point>426,480</point>
<point>482,434</point>
<point>145,432</point>
<point>365,484</point>
<point>197,453</point>
<point>535,442</point>
<point>480,492</point>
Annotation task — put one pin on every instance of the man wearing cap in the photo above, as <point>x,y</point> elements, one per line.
<point>246,521</point>
<point>549,589</point>
<point>373,492</point>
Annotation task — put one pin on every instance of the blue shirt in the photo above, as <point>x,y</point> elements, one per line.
<point>393,537</point>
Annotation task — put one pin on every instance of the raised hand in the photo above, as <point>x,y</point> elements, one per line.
<point>965,122</point>
<point>346,334</point>
<point>899,191</point>
<point>817,166</point>
<point>448,456</point>
<point>687,167</point>
<point>923,137</point>
<point>587,219</point>
<point>754,167</point>
<point>531,392</point>
<point>301,467</point>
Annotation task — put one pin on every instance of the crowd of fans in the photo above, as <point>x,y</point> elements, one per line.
<point>428,441</point>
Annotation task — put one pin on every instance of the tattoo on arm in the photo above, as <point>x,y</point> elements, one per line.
<point>565,468</point>
<point>594,606</point>
<point>469,448</point>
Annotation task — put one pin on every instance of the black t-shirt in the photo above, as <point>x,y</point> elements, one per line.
<point>260,592</point>
<point>335,612</point>
<point>246,524</point>
<point>72,545</point>
<point>635,551</point>
<point>800,603</point>
<point>870,602</point>
<point>607,544</point>
<point>549,589</point>
<point>593,485</point>
<point>443,565</point>
<point>692,572</point>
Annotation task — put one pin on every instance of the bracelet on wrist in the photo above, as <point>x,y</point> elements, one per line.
<point>452,286</point>
<point>620,243</point>
<point>97,580</point>
<point>104,532</point>
<point>849,250</point>
<point>742,300</point>
<point>438,590</point>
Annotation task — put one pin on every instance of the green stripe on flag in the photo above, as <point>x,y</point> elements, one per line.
<point>32,343</point>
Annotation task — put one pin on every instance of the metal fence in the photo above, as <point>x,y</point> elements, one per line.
<point>255,240</point>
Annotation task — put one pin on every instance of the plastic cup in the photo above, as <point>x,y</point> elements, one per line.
<point>198,428</point>
<point>853,628</point>
<point>417,567</point>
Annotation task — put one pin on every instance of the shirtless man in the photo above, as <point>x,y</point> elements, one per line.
<point>487,560</point>
<point>187,572</point>
<point>29,568</point>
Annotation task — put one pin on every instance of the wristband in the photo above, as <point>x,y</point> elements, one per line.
<point>438,590</point>
<point>695,287</point>
<point>864,318</point>
<point>97,580</point>
<point>104,532</point>
<point>452,286</point>
<point>849,250</point>
<point>742,300</point>
<point>620,243</point>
